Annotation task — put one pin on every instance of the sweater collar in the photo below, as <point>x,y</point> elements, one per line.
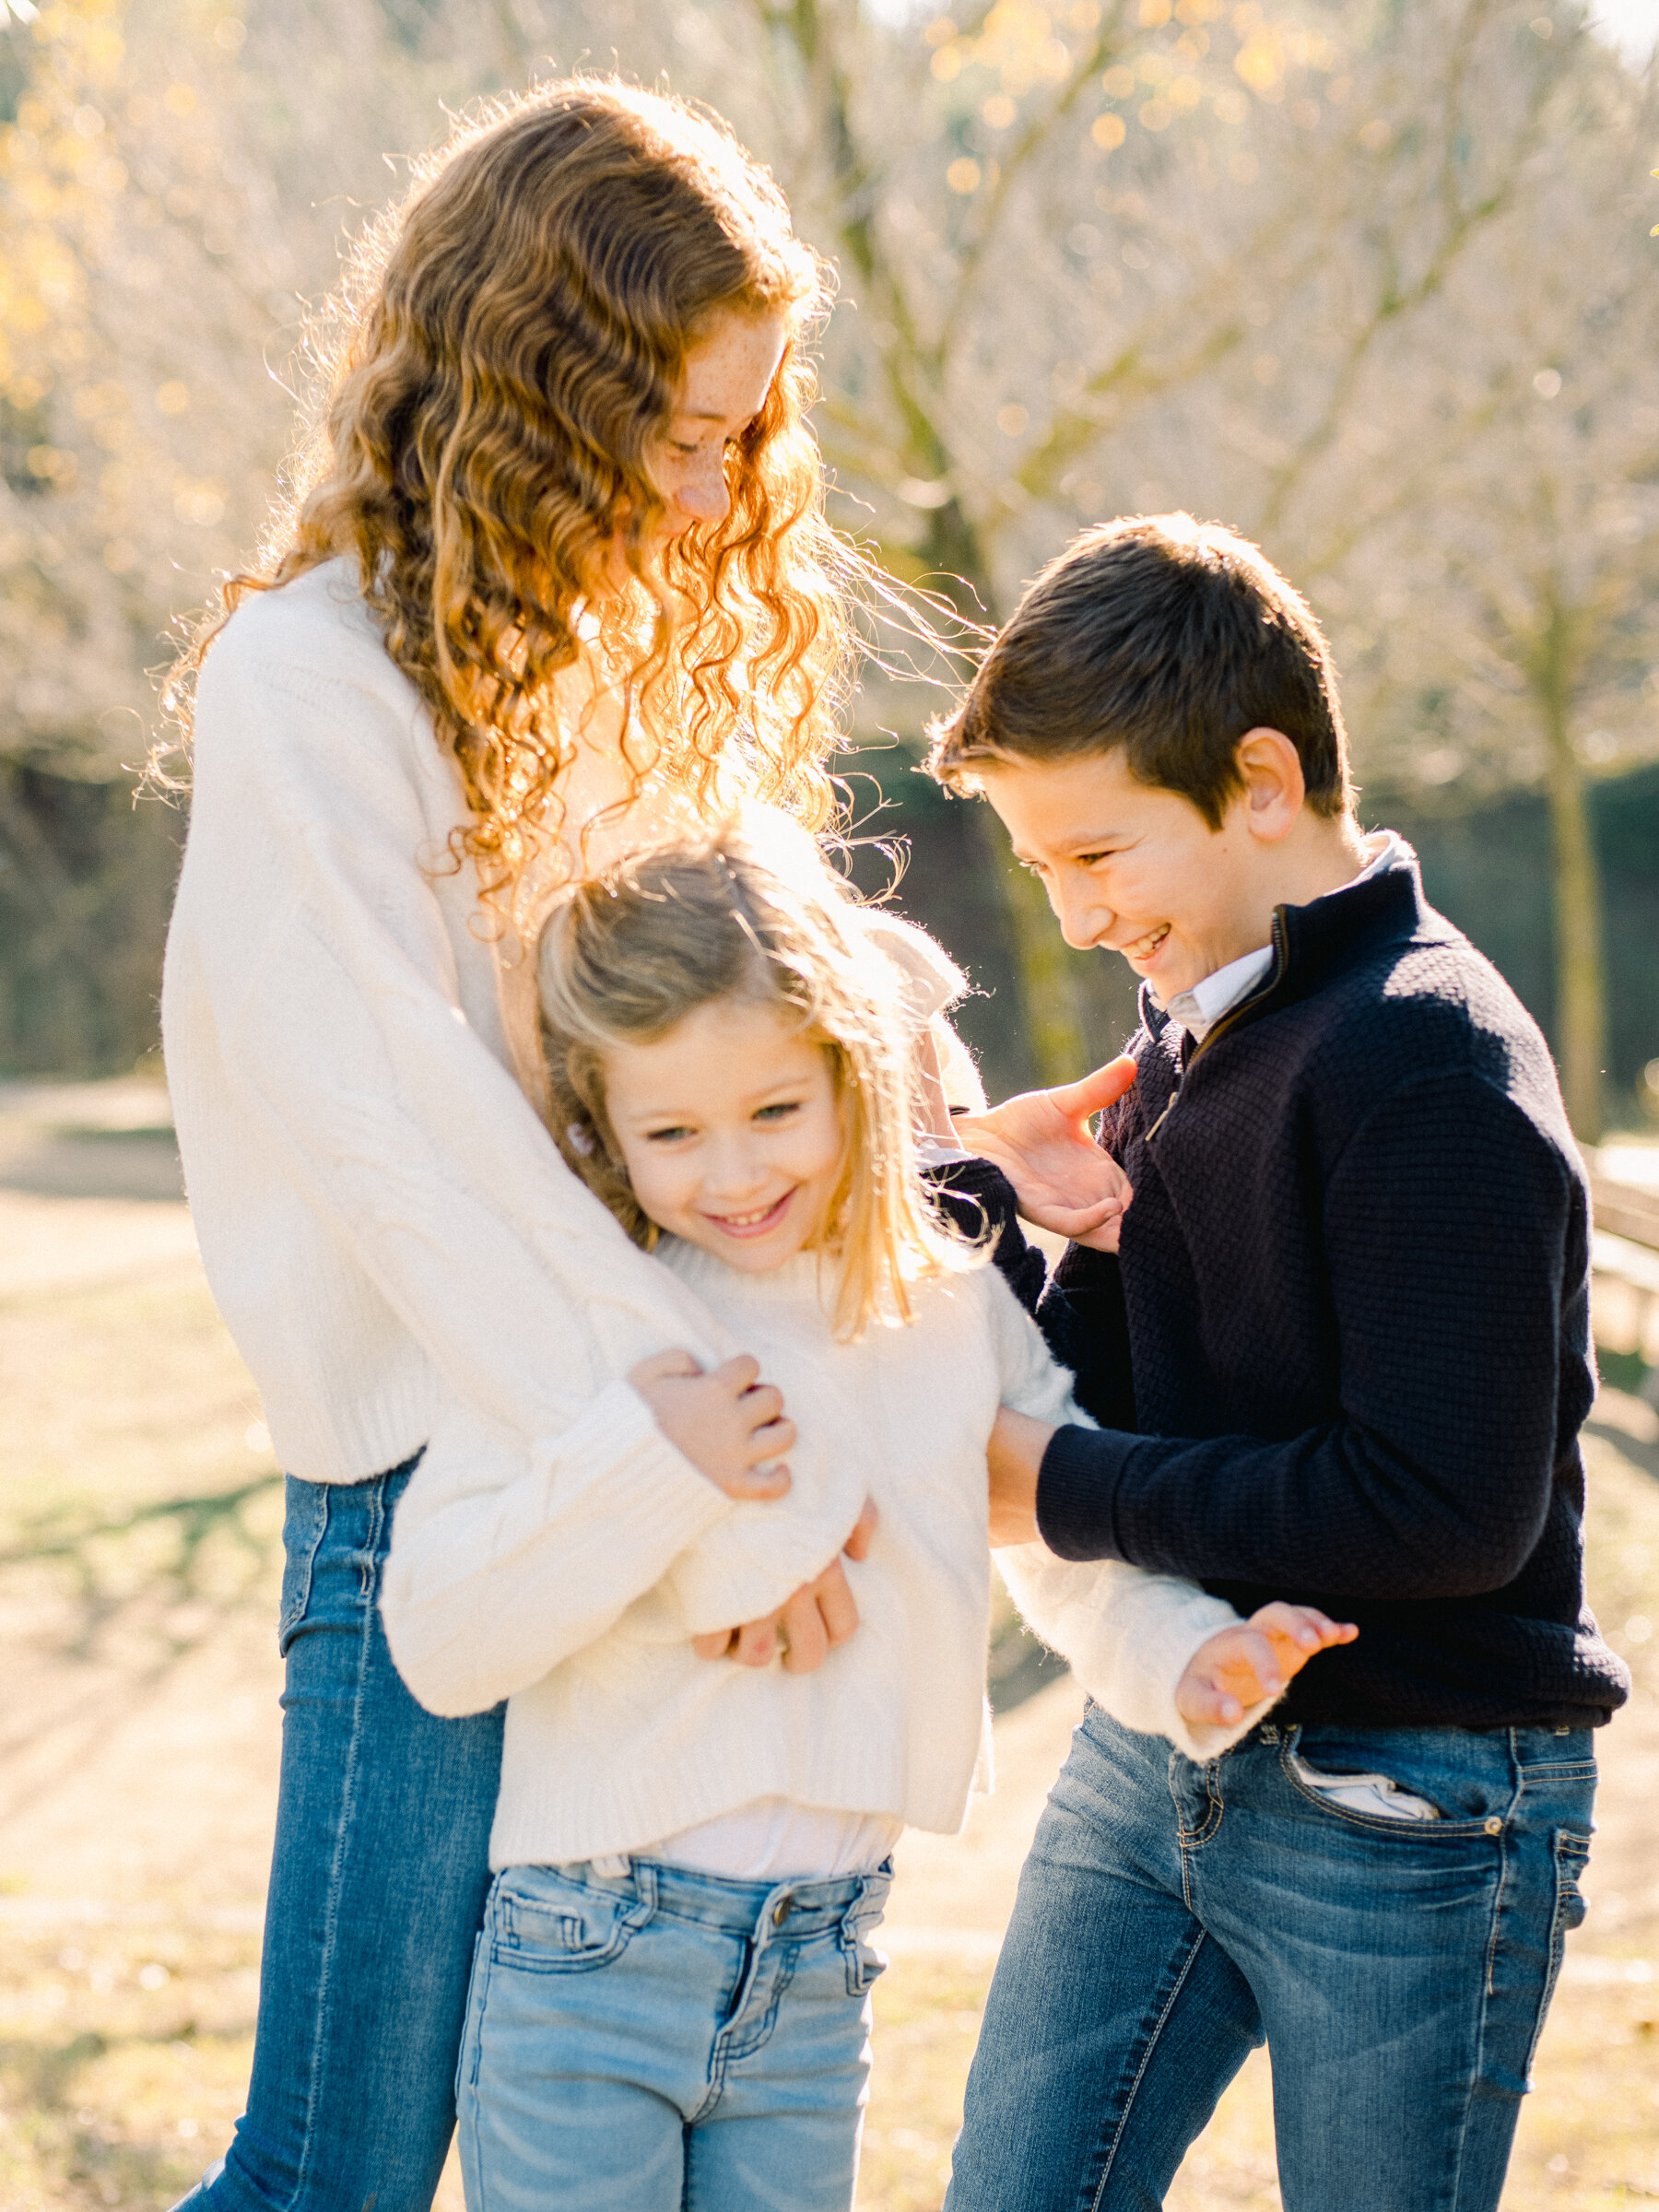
<point>803,1280</point>
<point>1385,904</point>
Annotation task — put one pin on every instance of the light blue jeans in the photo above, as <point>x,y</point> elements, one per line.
<point>667,2041</point>
<point>378,1883</point>
<point>1171,1915</point>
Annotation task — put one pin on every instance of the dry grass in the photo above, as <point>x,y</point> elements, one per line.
<point>139,1548</point>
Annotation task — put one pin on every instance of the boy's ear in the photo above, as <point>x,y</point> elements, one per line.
<point>1273,788</point>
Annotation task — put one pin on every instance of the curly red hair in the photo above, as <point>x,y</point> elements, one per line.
<point>505,350</point>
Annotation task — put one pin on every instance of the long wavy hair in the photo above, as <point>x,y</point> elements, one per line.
<point>749,912</point>
<point>503,353</point>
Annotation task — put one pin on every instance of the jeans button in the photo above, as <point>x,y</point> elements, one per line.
<point>1494,1827</point>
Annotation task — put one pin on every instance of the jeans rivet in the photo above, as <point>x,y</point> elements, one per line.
<point>1494,1827</point>
<point>780,1912</point>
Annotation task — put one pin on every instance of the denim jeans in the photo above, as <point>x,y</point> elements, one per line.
<point>377,1892</point>
<point>1171,1916</point>
<point>664,2039</point>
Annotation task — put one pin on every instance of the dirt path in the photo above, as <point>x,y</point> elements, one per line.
<point>139,1526</point>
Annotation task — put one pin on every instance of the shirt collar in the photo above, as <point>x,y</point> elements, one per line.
<point>1198,1010</point>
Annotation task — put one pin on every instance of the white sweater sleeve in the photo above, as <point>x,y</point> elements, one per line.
<point>1127,1635</point>
<point>334,993</point>
<point>504,1563</point>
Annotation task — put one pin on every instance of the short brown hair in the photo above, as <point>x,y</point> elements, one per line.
<point>1171,639</point>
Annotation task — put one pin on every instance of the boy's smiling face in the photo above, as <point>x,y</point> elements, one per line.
<point>1136,869</point>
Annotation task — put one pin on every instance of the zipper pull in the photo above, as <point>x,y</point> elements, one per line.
<point>1164,1116</point>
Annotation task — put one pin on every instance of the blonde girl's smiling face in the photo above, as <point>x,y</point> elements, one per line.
<point>732,1131</point>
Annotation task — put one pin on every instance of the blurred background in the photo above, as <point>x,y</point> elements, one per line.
<point>1371,280</point>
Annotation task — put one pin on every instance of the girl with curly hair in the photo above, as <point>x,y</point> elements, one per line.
<point>555,580</point>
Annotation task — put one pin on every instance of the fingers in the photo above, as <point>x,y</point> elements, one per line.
<point>1204,1704</point>
<point>1249,1667</point>
<point>739,1373</point>
<point>764,1401</point>
<point>771,1444</point>
<point>806,1639</point>
<point>661,1366</point>
<point>836,1607</point>
<point>756,1643</point>
<point>714,1644</point>
<point>857,1546</point>
<point>1106,1084</point>
<point>772,1480</point>
<point>1299,1633</point>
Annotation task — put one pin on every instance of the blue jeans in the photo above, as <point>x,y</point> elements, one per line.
<point>664,2039</point>
<point>378,1885</point>
<point>1171,1915</point>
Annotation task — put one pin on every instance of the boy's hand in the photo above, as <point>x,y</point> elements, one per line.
<point>807,1627</point>
<point>1240,1667</point>
<point>728,1424</point>
<point>1042,1144</point>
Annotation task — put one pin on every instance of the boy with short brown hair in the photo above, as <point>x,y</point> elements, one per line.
<point>1338,1341</point>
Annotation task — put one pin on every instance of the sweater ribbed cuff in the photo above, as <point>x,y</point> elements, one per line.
<point>1076,1486</point>
<point>1166,1646</point>
<point>651,1480</point>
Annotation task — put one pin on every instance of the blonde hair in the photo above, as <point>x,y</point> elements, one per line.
<point>754,916</point>
<point>505,350</point>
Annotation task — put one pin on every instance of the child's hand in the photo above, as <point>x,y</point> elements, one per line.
<point>1240,1667</point>
<point>808,1626</point>
<point>729,1425</point>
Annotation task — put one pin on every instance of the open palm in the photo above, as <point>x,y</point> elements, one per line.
<point>1043,1143</point>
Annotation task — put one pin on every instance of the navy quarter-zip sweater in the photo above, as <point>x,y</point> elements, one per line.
<point>1344,1354</point>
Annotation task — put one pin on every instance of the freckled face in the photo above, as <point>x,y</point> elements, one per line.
<point>728,374</point>
<point>731,1132</point>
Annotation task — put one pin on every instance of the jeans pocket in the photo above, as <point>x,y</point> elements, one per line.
<point>547,1923</point>
<point>865,1964</point>
<point>304,1524</point>
<point>1571,1853</point>
<point>1445,1784</point>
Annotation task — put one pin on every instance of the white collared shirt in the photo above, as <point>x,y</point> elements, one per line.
<point>1198,1010</point>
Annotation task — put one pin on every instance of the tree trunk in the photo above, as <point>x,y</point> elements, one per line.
<point>1580,972</point>
<point>1054,1035</point>
<point>1053,1030</point>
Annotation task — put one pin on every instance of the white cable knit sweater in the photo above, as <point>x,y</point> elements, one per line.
<point>510,1574</point>
<point>385,1225</point>
<point>381,1218</point>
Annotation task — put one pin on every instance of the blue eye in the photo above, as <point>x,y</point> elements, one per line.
<point>777,1113</point>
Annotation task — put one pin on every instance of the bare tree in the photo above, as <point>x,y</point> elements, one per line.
<point>1269,262</point>
<point>1496,586</point>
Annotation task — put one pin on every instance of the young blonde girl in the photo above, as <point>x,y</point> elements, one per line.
<point>669,2003</point>
<point>554,577</point>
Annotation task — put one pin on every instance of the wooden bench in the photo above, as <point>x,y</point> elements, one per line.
<point>1624,1264</point>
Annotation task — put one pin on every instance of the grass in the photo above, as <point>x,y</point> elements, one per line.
<point>139,1559</point>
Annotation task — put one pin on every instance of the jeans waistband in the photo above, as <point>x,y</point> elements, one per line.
<point>718,1900</point>
<point>1540,1745</point>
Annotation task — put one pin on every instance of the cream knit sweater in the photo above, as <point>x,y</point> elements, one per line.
<point>383,1222</point>
<point>512,1574</point>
